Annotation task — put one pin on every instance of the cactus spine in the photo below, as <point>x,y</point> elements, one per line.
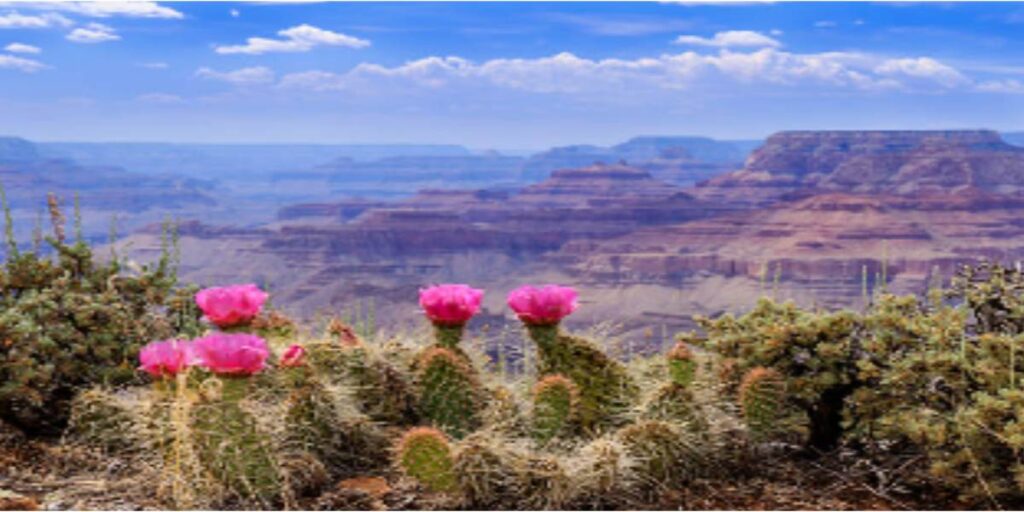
<point>761,395</point>
<point>424,454</point>
<point>663,453</point>
<point>682,367</point>
<point>605,390</point>
<point>674,401</point>
<point>554,406</point>
<point>232,447</point>
<point>450,396</point>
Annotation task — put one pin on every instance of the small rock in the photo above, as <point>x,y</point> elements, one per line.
<point>372,485</point>
<point>10,500</point>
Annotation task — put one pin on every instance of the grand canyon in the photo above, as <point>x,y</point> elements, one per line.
<point>652,231</point>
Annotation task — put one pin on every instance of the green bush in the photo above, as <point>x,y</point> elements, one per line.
<point>68,321</point>
<point>946,381</point>
<point>816,352</point>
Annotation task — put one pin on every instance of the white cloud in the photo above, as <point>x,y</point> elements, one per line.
<point>154,65</point>
<point>22,48</point>
<point>924,68</point>
<point>568,73</point>
<point>93,33</point>
<point>245,76</point>
<point>20,64</point>
<point>301,38</point>
<point>825,24</point>
<point>1007,86</point>
<point>235,13</point>
<point>731,38</point>
<point>104,9</point>
<point>47,20</point>
<point>160,98</point>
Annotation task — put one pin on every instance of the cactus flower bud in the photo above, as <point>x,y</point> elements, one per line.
<point>293,356</point>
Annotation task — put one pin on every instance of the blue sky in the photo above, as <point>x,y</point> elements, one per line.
<point>502,75</point>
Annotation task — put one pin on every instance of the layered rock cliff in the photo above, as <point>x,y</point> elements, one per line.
<point>793,164</point>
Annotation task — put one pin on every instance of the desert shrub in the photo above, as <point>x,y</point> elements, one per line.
<point>815,352</point>
<point>946,376</point>
<point>68,321</point>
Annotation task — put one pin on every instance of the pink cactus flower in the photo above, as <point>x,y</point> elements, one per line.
<point>166,358</point>
<point>231,305</point>
<point>450,304</point>
<point>232,354</point>
<point>293,356</point>
<point>546,305</point>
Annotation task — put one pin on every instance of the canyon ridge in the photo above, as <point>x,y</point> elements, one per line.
<point>819,217</point>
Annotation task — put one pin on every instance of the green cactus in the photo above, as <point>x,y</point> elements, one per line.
<point>68,322</point>
<point>663,452</point>
<point>424,454</point>
<point>317,422</point>
<point>382,392</point>
<point>450,396</point>
<point>605,390</point>
<point>492,473</point>
<point>682,366</point>
<point>762,395</point>
<point>554,407</point>
<point>605,476</point>
<point>233,449</point>
<point>674,401</point>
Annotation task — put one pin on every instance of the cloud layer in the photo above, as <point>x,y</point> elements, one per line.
<point>300,38</point>
<point>93,33</point>
<point>730,39</point>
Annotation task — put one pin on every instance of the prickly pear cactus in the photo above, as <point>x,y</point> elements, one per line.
<point>232,448</point>
<point>554,407</point>
<point>605,390</point>
<point>424,454</point>
<point>761,397</point>
<point>450,396</point>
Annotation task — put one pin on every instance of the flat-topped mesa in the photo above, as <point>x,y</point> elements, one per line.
<point>893,162</point>
<point>577,186</point>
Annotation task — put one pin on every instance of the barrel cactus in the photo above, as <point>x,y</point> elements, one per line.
<point>424,453</point>
<point>450,396</point>
<point>554,406</point>
<point>605,390</point>
<point>762,400</point>
<point>674,400</point>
